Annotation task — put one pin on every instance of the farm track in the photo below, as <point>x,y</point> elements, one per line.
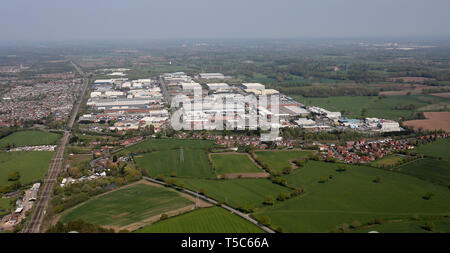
<point>49,183</point>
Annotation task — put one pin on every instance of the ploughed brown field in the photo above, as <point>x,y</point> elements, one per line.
<point>434,121</point>
<point>442,95</point>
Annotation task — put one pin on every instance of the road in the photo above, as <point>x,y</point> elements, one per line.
<point>214,202</point>
<point>57,162</point>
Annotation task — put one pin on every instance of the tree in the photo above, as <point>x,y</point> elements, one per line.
<point>286,170</point>
<point>429,226</point>
<point>377,179</point>
<point>14,176</point>
<point>428,195</point>
<point>270,200</point>
<point>74,172</point>
<point>202,191</point>
<point>265,220</point>
<point>283,196</point>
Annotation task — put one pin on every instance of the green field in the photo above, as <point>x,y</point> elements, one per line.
<point>126,206</point>
<point>237,192</point>
<point>390,160</point>
<point>206,220</point>
<point>353,196</point>
<point>442,226</point>
<point>380,108</point>
<point>32,166</point>
<point>439,148</point>
<point>165,162</point>
<point>278,160</point>
<point>5,206</point>
<point>165,144</point>
<point>233,163</point>
<point>433,170</point>
<point>29,138</point>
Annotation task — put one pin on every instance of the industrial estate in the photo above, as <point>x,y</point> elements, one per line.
<point>253,140</point>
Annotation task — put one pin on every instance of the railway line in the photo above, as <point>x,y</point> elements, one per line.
<point>57,162</point>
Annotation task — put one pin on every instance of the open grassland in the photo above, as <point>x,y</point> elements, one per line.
<point>278,160</point>
<point>410,226</point>
<point>166,144</point>
<point>390,160</point>
<point>390,107</point>
<point>439,148</point>
<point>191,163</point>
<point>433,170</point>
<point>126,206</point>
<point>32,166</point>
<point>237,192</point>
<point>206,220</point>
<point>353,196</point>
<point>233,163</point>
<point>29,138</point>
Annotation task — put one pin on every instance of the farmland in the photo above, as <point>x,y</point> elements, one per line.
<point>391,160</point>
<point>237,192</point>
<point>195,163</point>
<point>353,196</point>
<point>206,220</point>
<point>233,163</point>
<point>433,170</point>
<point>389,107</point>
<point>32,166</point>
<point>166,144</point>
<point>433,121</point>
<point>126,206</point>
<point>29,138</point>
<point>278,160</point>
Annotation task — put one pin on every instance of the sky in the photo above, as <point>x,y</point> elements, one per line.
<point>64,20</point>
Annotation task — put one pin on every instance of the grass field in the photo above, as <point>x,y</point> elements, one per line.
<point>233,163</point>
<point>32,166</point>
<point>353,196</point>
<point>127,206</point>
<point>278,160</point>
<point>237,192</point>
<point>433,170</point>
<point>206,220</point>
<point>5,206</point>
<point>439,148</point>
<point>390,160</point>
<point>166,144</point>
<point>442,226</point>
<point>29,138</point>
<point>165,162</point>
<point>380,108</point>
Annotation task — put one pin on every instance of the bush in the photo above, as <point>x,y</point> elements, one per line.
<point>270,200</point>
<point>300,162</point>
<point>377,179</point>
<point>164,216</point>
<point>265,220</point>
<point>283,196</point>
<point>342,168</point>
<point>202,191</point>
<point>429,226</point>
<point>286,170</point>
<point>355,224</point>
<point>297,192</point>
<point>14,176</point>
<point>323,180</point>
<point>428,195</point>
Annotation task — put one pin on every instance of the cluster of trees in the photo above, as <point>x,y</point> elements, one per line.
<point>330,91</point>
<point>79,226</point>
<point>298,133</point>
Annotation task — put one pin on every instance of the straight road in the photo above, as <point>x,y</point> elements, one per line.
<point>57,162</point>
<point>214,202</point>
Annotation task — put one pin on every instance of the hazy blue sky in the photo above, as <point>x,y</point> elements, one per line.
<point>155,19</point>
